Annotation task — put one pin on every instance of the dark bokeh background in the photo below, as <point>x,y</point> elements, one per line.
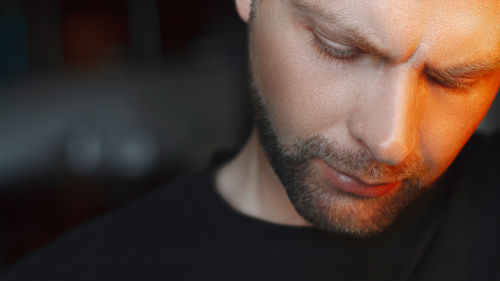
<point>103,100</point>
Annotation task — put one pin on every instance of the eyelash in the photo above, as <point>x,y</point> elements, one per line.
<point>333,53</point>
<point>455,87</point>
<point>348,56</point>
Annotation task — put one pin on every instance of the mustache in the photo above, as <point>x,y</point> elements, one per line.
<point>360,163</point>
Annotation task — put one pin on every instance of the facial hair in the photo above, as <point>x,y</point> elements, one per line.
<point>312,196</point>
<point>319,203</point>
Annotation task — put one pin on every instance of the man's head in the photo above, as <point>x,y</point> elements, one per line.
<point>361,105</point>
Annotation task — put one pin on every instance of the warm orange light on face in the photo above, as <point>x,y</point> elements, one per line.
<point>399,97</point>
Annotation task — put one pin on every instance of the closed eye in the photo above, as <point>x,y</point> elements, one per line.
<point>333,50</point>
<point>455,84</point>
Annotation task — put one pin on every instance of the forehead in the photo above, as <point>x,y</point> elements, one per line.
<point>468,28</point>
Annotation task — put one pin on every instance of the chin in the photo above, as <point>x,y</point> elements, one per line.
<point>335,211</point>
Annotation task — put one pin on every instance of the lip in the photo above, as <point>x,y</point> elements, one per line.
<point>353,185</point>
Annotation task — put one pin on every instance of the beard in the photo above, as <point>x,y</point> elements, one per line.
<point>313,196</point>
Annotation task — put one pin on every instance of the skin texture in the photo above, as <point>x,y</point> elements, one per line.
<point>397,111</point>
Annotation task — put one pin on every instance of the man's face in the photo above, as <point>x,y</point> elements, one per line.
<point>361,105</point>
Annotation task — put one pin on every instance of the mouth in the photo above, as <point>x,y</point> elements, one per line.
<point>353,185</point>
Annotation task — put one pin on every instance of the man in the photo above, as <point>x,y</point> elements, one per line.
<point>359,109</point>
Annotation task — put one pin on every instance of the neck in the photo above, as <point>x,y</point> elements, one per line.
<point>249,184</point>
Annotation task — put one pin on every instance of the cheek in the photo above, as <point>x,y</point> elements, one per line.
<point>448,122</point>
<point>303,93</point>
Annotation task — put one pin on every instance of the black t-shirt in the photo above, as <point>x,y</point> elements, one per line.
<point>185,231</point>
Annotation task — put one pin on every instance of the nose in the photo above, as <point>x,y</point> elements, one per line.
<point>386,118</point>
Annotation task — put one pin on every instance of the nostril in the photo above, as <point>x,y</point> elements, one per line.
<point>392,152</point>
<point>387,148</point>
<point>387,127</point>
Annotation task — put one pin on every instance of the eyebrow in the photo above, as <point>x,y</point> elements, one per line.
<point>344,25</point>
<point>451,75</point>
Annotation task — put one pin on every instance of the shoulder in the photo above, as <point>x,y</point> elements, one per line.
<point>477,168</point>
<point>468,214</point>
<point>481,154</point>
<point>476,188</point>
<point>129,240</point>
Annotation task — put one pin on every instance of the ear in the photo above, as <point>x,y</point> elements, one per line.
<point>244,7</point>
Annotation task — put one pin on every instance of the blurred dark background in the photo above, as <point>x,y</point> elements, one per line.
<point>103,100</point>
